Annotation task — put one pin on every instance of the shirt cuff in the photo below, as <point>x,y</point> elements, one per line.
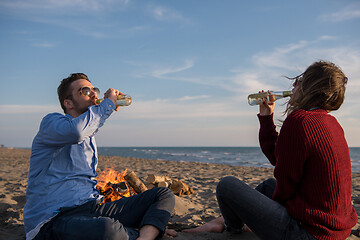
<point>108,103</point>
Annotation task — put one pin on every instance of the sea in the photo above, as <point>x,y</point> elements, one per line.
<point>236,156</point>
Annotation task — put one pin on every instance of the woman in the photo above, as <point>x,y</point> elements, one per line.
<point>311,196</point>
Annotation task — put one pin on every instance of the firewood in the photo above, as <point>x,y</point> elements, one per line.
<point>135,182</point>
<point>107,192</point>
<point>156,179</point>
<point>150,186</point>
<point>163,184</point>
<point>121,187</point>
<point>179,188</point>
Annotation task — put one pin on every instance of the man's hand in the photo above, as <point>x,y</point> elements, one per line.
<point>267,106</point>
<point>112,95</point>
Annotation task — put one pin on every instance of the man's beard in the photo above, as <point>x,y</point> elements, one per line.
<point>78,108</point>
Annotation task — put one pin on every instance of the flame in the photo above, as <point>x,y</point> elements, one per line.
<point>113,185</point>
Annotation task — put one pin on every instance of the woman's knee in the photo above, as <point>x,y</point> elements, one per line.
<point>226,184</point>
<point>267,187</point>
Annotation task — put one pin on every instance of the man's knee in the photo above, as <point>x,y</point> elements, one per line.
<point>164,193</point>
<point>90,228</point>
<point>112,229</point>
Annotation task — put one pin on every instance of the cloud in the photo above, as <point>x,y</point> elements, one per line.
<point>192,98</point>
<point>85,17</point>
<point>176,74</point>
<point>44,45</point>
<point>175,109</point>
<point>85,5</point>
<point>268,69</point>
<point>283,57</point>
<point>163,72</point>
<point>348,13</point>
<point>292,59</point>
<point>139,121</point>
<point>162,13</point>
<point>93,18</point>
<point>28,109</point>
<point>249,82</point>
<point>158,109</point>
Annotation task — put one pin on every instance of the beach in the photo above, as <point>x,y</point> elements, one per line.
<point>190,210</point>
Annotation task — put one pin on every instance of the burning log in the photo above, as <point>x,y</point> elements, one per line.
<point>120,187</point>
<point>107,193</point>
<point>113,186</point>
<point>135,182</point>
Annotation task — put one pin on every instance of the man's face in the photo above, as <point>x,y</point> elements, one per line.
<point>80,101</point>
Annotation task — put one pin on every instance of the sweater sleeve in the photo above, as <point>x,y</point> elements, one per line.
<point>291,155</point>
<point>267,137</point>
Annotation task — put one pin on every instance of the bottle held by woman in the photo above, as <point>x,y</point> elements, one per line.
<point>257,98</point>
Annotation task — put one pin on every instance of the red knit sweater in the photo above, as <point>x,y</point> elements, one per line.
<point>313,171</point>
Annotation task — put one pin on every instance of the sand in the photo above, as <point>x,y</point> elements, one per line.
<point>190,211</point>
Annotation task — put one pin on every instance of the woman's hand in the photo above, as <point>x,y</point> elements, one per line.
<point>267,106</point>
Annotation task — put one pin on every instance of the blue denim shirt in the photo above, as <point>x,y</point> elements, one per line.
<point>63,163</point>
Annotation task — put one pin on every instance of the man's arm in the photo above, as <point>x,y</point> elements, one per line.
<point>57,129</point>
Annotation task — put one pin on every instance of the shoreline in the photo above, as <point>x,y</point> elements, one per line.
<point>190,210</point>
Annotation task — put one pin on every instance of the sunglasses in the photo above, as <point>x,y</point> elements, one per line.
<point>86,91</point>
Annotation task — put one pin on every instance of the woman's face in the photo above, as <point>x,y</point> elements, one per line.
<point>296,85</point>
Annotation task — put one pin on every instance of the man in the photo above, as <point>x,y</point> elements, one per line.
<point>61,199</point>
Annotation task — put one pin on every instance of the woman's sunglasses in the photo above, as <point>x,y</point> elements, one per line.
<point>86,91</point>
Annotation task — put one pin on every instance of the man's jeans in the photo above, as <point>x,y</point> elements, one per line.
<point>268,219</point>
<point>120,219</point>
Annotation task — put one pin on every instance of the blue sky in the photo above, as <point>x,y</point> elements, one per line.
<point>189,65</point>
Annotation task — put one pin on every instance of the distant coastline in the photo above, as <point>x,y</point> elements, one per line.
<point>235,156</point>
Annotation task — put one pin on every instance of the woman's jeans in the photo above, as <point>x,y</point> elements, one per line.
<point>120,219</point>
<point>268,219</point>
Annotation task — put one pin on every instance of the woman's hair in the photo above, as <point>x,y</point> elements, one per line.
<point>322,85</point>
<point>64,90</point>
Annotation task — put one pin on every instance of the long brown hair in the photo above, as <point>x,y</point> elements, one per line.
<point>322,85</point>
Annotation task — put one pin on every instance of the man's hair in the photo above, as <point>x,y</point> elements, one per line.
<point>322,85</point>
<point>64,90</point>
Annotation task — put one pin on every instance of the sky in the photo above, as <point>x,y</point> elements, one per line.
<point>188,65</point>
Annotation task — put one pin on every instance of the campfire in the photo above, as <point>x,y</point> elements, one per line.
<point>114,185</point>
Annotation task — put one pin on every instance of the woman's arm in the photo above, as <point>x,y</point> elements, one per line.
<point>291,154</point>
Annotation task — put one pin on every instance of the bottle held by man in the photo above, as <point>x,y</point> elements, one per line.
<point>122,100</point>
